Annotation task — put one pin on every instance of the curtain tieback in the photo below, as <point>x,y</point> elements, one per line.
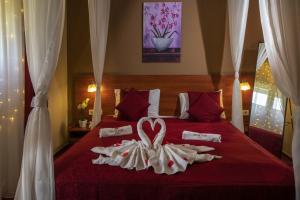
<point>236,75</point>
<point>39,101</point>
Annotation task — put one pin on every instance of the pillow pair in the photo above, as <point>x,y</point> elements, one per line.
<point>132,104</point>
<point>202,106</point>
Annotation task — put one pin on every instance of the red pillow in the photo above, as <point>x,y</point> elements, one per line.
<point>133,106</point>
<point>205,109</point>
<point>193,96</point>
<point>143,93</point>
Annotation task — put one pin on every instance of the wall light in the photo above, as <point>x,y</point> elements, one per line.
<point>92,88</point>
<point>245,86</point>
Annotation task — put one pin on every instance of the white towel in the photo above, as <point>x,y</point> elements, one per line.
<point>144,153</point>
<point>190,135</point>
<point>108,132</point>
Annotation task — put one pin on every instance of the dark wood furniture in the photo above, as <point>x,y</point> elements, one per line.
<point>75,133</point>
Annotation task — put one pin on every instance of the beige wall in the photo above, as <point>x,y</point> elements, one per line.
<point>205,43</point>
<point>58,101</point>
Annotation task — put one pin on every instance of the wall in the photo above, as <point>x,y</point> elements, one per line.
<point>79,48</point>
<point>205,46</point>
<point>205,43</point>
<point>58,101</point>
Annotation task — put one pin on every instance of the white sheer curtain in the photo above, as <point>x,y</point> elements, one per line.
<point>281,29</point>
<point>11,95</point>
<point>44,22</point>
<point>238,13</point>
<point>99,20</point>
<point>262,55</point>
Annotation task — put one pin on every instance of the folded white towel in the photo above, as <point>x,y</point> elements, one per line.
<point>190,135</point>
<point>108,132</point>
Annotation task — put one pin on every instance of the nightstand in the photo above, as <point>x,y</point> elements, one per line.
<point>75,133</point>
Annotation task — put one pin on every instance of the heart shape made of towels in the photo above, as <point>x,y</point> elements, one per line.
<point>159,136</point>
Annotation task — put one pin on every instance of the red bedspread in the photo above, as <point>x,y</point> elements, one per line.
<point>246,170</point>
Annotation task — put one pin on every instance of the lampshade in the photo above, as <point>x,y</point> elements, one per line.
<point>92,88</point>
<point>245,86</point>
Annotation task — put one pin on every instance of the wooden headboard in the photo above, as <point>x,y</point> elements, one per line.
<point>170,86</point>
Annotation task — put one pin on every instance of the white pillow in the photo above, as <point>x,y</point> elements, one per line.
<point>153,109</point>
<point>184,105</point>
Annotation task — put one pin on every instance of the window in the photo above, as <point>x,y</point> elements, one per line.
<point>259,98</point>
<point>277,104</point>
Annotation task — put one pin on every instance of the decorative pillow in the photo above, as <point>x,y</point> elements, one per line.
<point>153,99</point>
<point>184,102</point>
<point>204,108</point>
<point>133,106</point>
<point>144,94</point>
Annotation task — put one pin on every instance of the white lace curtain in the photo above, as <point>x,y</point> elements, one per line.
<point>238,13</point>
<point>262,55</point>
<point>44,21</point>
<point>281,29</point>
<point>99,20</point>
<point>11,95</point>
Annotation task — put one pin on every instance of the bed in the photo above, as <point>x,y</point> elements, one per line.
<point>246,171</point>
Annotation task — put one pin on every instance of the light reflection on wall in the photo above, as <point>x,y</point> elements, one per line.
<point>268,104</point>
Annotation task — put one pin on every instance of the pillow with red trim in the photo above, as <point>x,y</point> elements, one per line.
<point>205,109</point>
<point>133,106</point>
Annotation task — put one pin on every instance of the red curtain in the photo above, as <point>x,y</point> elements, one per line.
<point>29,92</point>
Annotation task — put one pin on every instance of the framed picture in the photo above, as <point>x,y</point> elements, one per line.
<point>162,31</point>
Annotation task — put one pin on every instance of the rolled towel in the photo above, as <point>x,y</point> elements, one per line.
<point>108,132</point>
<point>190,135</point>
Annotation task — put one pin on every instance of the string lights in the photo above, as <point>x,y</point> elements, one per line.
<point>266,115</point>
<point>11,119</point>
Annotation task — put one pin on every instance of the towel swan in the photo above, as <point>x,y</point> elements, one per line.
<point>129,154</point>
<point>142,154</point>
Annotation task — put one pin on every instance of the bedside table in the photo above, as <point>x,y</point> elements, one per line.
<point>75,133</point>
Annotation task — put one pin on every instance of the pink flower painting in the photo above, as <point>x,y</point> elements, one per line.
<point>162,31</point>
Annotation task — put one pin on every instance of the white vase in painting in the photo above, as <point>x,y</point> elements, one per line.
<point>82,123</point>
<point>162,44</point>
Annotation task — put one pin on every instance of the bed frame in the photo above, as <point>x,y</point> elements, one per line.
<point>170,86</point>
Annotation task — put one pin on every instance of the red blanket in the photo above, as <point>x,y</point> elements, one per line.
<point>246,171</point>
